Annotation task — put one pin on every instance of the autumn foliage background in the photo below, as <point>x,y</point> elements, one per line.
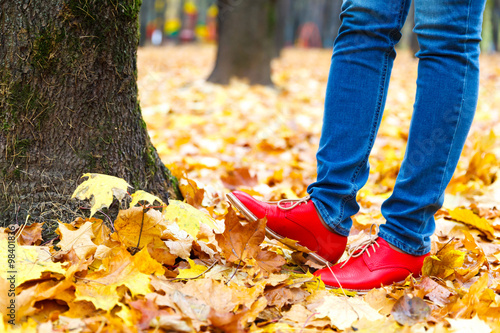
<point>198,266</point>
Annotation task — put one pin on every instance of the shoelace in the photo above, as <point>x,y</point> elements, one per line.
<point>295,202</point>
<point>358,249</point>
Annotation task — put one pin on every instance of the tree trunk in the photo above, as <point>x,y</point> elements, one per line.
<point>246,41</point>
<point>495,23</point>
<point>331,23</point>
<point>68,105</point>
<point>414,46</point>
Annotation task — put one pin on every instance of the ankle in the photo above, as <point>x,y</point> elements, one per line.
<point>324,223</point>
<point>396,248</point>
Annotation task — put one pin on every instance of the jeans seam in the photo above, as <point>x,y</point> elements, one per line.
<point>376,116</point>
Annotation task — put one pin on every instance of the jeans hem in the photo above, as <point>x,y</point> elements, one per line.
<point>402,246</point>
<point>328,220</point>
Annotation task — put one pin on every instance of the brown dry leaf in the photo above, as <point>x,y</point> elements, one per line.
<point>219,296</point>
<point>474,260</point>
<point>228,322</point>
<point>192,194</point>
<point>128,226</point>
<point>77,239</point>
<point>102,233</point>
<point>409,310</point>
<point>238,177</point>
<point>282,295</point>
<point>31,235</point>
<point>26,299</point>
<point>160,252</point>
<point>438,294</point>
<point>148,311</point>
<point>240,242</point>
<point>269,261</point>
<point>472,220</point>
<point>380,301</point>
<point>343,311</point>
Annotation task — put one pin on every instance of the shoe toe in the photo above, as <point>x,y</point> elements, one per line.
<point>258,208</point>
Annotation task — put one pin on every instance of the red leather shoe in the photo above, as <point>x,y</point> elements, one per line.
<point>293,219</point>
<point>371,264</point>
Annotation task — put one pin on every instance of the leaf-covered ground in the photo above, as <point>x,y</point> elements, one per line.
<point>198,266</point>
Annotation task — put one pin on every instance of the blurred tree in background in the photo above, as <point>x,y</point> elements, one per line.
<point>247,40</point>
<point>306,23</point>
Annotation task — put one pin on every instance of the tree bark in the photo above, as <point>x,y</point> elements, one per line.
<point>246,41</point>
<point>68,105</point>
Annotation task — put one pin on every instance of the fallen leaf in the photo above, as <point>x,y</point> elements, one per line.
<point>282,295</point>
<point>160,252</point>
<point>31,235</point>
<point>171,323</point>
<point>219,296</point>
<point>193,271</point>
<point>468,217</point>
<point>435,292</point>
<point>238,177</point>
<point>79,240</point>
<point>409,310</point>
<point>100,189</point>
<point>147,265</point>
<point>444,263</point>
<point>144,196</point>
<point>343,311</point>
<point>148,311</point>
<point>269,261</point>
<point>475,325</point>
<point>240,242</point>
<point>135,224</point>
<point>102,287</point>
<point>187,217</point>
<point>31,262</point>
<point>228,322</point>
<point>380,301</point>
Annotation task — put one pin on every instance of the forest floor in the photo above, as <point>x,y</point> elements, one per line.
<point>199,266</point>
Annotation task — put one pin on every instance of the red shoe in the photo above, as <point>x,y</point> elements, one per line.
<point>293,219</point>
<point>370,265</point>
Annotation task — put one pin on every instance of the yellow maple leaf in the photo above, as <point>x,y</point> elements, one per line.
<point>144,196</point>
<point>102,287</point>
<point>31,262</point>
<point>79,239</point>
<point>134,223</point>
<point>468,217</point>
<point>193,271</point>
<point>444,263</point>
<point>100,189</point>
<point>187,217</point>
<point>147,265</point>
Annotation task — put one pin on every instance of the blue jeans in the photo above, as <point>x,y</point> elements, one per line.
<point>449,32</point>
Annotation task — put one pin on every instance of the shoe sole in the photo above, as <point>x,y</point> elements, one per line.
<point>269,233</point>
<point>361,291</point>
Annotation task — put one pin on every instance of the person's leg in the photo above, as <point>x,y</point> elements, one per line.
<point>357,87</point>
<point>448,32</point>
